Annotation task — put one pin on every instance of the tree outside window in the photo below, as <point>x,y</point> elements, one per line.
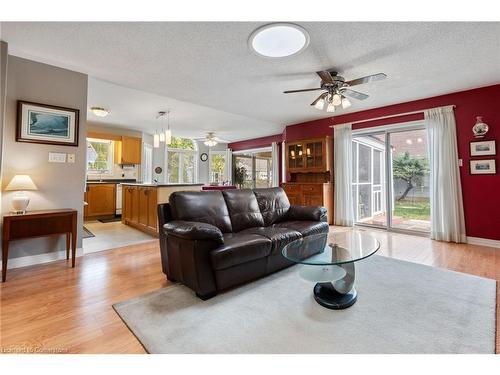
<point>99,156</point>
<point>181,162</point>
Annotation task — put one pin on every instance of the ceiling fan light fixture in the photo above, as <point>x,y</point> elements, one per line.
<point>210,142</point>
<point>156,140</point>
<point>279,40</point>
<point>345,103</point>
<point>320,104</point>
<point>336,99</point>
<point>330,107</point>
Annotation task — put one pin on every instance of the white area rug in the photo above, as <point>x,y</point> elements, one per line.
<point>402,307</point>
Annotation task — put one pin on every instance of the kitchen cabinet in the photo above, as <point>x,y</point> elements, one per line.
<point>128,150</point>
<point>101,200</point>
<point>140,204</point>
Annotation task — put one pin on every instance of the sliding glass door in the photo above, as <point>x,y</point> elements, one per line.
<point>252,169</point>
<point>391,179</point>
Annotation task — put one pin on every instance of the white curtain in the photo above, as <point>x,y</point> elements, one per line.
<point>447,211</point>
<point>229,165</point>
<point>342,167</point>
<point>275,165</point>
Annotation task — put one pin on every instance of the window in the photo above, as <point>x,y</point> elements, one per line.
<point>217,167</point>
<point>182,161</point>
<point>99,156</point>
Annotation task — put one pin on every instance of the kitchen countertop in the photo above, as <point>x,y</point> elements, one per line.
<point>111,181</point>
<point>158,185</point>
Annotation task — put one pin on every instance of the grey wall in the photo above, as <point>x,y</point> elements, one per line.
<point>59,185</point>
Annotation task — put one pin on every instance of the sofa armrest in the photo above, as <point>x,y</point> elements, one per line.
<point>313,213</point>
<point>194,231</point>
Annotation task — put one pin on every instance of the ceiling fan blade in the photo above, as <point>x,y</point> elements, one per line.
<point>322,96</point>
<point>354,94</point>
<point>303,90</point>
<point>371,78</point>
<point>325,76</point>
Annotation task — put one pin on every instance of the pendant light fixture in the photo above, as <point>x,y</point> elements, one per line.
<point>156,140</point>
<point>164,135</point>
<point>168,132</point>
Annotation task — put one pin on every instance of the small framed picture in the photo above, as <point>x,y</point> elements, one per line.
<point>483,148</point>
<point>483,166</point>
<point>47,124</point>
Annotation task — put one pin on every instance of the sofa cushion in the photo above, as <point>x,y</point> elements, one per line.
<point>243,209</point>
<point>201,206</point>
<point>273,204</point>
<point>240,248</point>
<point>306,228</point>
<point>279,236</point>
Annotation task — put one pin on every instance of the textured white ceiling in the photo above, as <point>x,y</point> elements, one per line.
<point>209,64</point>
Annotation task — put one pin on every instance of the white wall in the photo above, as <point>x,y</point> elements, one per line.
<point>59,185</point>
<point>203,171</point>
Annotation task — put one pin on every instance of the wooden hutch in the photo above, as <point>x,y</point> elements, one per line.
<point>309,171</point>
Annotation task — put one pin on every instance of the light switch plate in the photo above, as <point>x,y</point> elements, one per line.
<point>71,158</point>
<point>57,157</point>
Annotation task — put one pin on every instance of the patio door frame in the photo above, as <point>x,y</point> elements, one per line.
<point>387,130</point>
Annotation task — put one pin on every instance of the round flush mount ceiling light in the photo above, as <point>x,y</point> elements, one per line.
<point>99,111</point>
<point>279,40</point>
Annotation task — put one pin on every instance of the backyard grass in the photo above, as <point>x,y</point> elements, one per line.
<point>413,210</point>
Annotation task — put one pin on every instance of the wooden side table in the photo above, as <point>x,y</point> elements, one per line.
<point>38,224</point>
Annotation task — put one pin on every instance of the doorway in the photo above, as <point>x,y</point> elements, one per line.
<point>390,180</point>
<point>253,168</point>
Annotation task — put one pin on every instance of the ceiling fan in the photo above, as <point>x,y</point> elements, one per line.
<point>337,89</point>
<point>211,140</point>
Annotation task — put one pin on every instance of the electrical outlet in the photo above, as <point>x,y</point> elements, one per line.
<point>460,163</point>
<point>57,157</point>
<point>71,158</point>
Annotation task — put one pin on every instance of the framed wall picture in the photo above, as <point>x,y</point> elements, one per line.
<point>47,124</point>
<point>483,148</point>
<point>483,166</point>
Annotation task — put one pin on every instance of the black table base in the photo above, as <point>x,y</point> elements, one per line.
<point>326,295</point>
<point>339,294</point>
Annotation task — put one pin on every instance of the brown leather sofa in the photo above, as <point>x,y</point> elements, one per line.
<point>213,240</point>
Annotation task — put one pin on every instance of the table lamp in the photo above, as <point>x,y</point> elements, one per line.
<point>20,183</point>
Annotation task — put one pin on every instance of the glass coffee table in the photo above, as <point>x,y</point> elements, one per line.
<point>333,262</point>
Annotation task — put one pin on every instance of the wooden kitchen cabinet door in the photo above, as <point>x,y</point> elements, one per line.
<point>127,204</point>
<point>101,199</point>
<point>134,216</point>
<point>143,205</point>
<point>131,150</point>
<point>152,209</point>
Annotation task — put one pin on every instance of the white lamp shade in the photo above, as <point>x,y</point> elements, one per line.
<point>156,141</point>
<point>168,136</point>
<point>345,103</point>
<point>162,137</point>
<point>21,182</point>
<point>336,99</point>
<point>330,107</point>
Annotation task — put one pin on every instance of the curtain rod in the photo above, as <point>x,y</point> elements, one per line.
<point>388,116</point>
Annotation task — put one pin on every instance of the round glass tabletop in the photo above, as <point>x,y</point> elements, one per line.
<point>319,250</point>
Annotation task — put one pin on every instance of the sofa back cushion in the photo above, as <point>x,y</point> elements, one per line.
<point>243,209</point>
<point>202,206</point>
<point>273,204</point>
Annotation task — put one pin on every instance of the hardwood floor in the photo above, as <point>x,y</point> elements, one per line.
<point>53,308</point>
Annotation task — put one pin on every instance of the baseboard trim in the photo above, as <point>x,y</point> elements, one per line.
<point>483,242</point>
<point>32,260</point>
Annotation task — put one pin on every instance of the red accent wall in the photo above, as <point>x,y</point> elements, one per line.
<point>255,143</point>
<point>481,193</point>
